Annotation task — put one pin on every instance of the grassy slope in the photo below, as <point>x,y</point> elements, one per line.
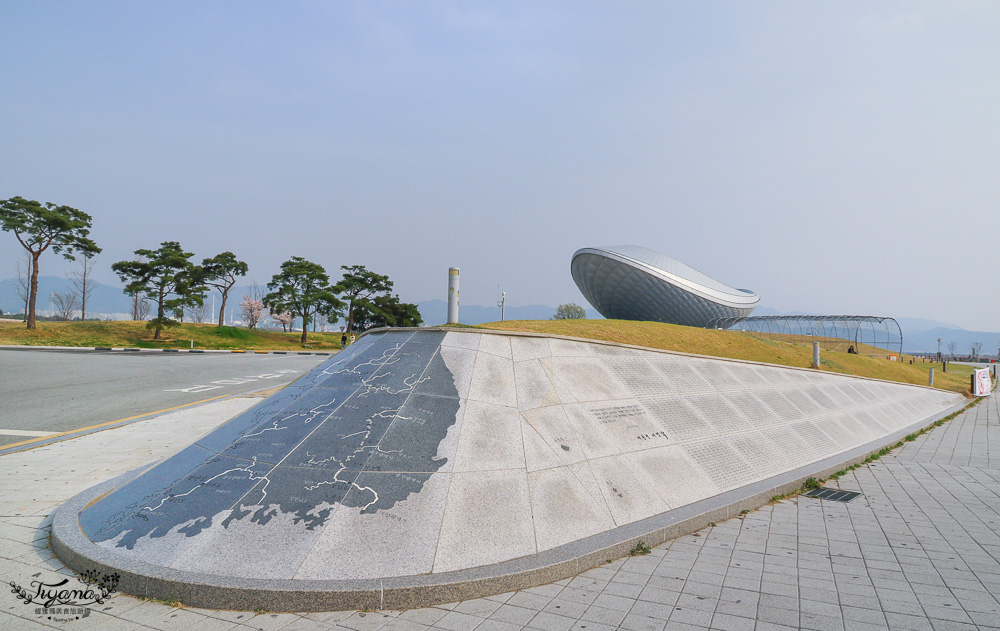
<point>742,346</point>
<point>651,334</point>
<point>135,335</point>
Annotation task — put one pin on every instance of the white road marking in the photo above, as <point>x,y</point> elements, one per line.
<point>234,381</point>
<point>193,389</point>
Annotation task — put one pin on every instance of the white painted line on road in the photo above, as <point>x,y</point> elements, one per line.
<point>36,442</point>
<point>24,432</point>
<point>194,389</point>
<point>215,385</point>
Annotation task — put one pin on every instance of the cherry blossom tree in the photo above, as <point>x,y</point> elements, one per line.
<point>285,319</point>
<point>252,311</point>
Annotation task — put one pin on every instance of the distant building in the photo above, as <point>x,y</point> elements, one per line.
<point>629,282</point>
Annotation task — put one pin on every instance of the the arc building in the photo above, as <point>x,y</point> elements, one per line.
<point>630,282</point>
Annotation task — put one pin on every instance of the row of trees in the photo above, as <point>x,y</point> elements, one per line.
<point>173,283</point>
<point>362,297</point>
<point>975,348</point>
<point>168,279</point>
<point>302,289</point>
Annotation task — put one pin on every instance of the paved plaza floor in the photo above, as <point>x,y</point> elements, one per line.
<point>920,549</point>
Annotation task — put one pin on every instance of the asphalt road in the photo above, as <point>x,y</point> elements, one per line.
<point>44,391</point>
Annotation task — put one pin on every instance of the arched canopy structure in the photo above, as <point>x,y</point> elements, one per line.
<point>868,334</point>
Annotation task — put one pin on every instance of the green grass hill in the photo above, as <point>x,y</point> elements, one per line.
<point>738,345</point>
<point>732,344</point>
<point>136,335</point>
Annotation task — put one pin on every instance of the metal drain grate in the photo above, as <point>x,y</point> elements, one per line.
<point>833,495</point>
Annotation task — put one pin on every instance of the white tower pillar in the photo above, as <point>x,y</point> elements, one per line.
<point>453,295</point>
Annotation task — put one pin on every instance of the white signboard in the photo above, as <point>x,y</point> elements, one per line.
<point>981,384</point>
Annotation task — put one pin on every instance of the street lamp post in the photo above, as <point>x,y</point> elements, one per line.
<point>501,302</point>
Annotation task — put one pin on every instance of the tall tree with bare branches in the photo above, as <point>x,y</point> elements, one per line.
<point>199,313</point>
<point>24,283</point>
<point>83,284</point>
<point>66,304</point>
<point>140,305</point>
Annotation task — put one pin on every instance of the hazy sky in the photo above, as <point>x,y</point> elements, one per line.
<point>834,157</point>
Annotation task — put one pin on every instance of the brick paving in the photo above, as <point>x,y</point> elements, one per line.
<point>919,550</point>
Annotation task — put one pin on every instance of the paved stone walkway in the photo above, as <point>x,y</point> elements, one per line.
<point>919,550</point>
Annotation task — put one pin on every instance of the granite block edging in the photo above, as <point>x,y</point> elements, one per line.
<point>407,592</point>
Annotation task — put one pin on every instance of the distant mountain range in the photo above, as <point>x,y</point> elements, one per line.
<point>104,299</point>
<point>926,341</point>
<point>919,334</point>
<point>436,312</point>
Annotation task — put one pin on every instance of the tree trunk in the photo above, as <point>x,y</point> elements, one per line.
<point>305,327</point>
<point>83,293</point>
<point>86,290</point>
<point>34,289</point>
<point>159,316</point>
<point>350,316</point>
<point>222,311</point>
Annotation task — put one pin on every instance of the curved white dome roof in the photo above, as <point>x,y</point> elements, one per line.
<point>671,266</point>
<point>632,282</point>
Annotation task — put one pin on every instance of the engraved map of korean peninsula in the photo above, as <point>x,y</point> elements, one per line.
<point>361,431</point>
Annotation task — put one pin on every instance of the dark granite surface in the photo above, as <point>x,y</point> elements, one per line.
<point>361,430</point>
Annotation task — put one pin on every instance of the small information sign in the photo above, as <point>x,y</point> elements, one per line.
<point>981,383</point>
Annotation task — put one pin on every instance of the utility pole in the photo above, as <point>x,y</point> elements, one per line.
<point>501,301</point>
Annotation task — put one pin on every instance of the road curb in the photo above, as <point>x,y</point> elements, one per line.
<point>116,349</point>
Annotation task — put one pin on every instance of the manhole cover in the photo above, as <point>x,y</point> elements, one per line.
<point>833,495</point>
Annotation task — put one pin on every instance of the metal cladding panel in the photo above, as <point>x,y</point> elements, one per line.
<point>669,265</point>
<point>621,291</point>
